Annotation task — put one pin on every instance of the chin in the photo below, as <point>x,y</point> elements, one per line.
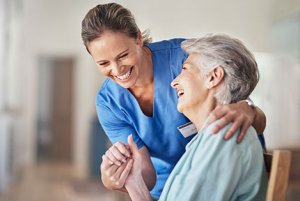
<point>179,108</point>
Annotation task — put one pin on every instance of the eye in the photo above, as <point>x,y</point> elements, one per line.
<point>103,64</point>
<point>123,56</point>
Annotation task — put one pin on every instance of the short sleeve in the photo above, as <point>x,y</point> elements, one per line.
<point>116,128</point>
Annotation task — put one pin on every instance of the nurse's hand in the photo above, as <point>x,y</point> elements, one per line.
<point>117,154</point>
<point>240,114</point>
<point>116,166</point>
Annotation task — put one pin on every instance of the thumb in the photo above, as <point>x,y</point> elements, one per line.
<point>132,144</point>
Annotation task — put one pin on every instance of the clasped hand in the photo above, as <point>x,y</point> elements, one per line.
<point>117,167</point>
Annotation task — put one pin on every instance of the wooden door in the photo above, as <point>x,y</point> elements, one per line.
<point>61,113</point>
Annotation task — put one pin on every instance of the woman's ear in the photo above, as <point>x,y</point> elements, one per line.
<point>215,77</point>
<point>139,39</point>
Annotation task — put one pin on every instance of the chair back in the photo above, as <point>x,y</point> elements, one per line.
<point>278,168</point>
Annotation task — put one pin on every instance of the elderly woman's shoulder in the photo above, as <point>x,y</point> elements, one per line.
<point>250,139</point>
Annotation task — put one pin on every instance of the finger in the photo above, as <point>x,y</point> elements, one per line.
<point>123,148</point>
<point>115,176</point>
<point>117,154</point>
<point>234,127</point>
<point>128,148</point>
<point>111,171</point>
<point>223,122</point>
<point>216,114</point>
<point>132,144</point>
<point>112,158</point>
<point>126,171</point>
<point>243,132</point>
<point>106,162</point>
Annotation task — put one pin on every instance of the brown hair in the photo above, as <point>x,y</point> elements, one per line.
<point>113,17</point>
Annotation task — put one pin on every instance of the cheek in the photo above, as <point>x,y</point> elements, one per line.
<point>103,71</point>
<point>134,57</point>
<point>134,60</point>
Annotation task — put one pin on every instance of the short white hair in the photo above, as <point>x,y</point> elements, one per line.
<point>240,67</point>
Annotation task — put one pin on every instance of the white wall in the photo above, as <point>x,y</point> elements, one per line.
<point>2,51</point>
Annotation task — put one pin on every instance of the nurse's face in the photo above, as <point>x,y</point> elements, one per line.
<point>190,85</point>
<point>118,57</point>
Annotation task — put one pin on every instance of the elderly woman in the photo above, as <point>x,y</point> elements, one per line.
<point>219,70</point>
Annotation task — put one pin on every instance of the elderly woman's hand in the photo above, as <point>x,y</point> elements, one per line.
<point>241,114</point>
<point>135,183</point>
<point>136,171</point>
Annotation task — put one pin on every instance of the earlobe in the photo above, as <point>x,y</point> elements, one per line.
<point>209,81</point>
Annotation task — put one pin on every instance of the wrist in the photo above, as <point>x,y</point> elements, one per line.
<point>138,190</point>
<point>251,104</point>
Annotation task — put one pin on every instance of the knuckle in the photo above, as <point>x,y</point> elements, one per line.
<point>234,112</point>
<point>107,174</point>
<point>226,107</point>
<point>118,184</point>
<point>113,148</point>
<point>219,107</point>
<point>107,153</point>
<point>113,179</point>
<point>118,144</point>
<point>213,115</point>
<point>225,119</point>
<point>217,127</point>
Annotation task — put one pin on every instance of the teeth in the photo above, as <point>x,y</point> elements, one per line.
<point>180,93</point>
<point>124,76</point>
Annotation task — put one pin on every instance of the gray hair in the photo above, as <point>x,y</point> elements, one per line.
<point>240,67</point>
<point>113,17</point>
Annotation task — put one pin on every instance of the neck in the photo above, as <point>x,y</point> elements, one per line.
<point>146,70</point>
<point>199,113</point>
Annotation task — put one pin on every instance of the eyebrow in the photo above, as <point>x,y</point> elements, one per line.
<point>186,63</point>
<point>118,56</point>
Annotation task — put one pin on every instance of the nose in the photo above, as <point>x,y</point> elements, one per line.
<point>174,83</point>
<point>116,69</point>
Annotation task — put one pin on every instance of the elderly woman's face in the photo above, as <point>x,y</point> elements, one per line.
<point>190,85</point>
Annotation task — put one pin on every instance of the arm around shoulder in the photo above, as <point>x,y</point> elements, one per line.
<point>260,120</point>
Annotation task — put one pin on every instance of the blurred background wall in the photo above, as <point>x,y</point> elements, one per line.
<point>48,81</point>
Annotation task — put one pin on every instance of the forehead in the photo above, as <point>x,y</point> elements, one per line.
<point>110,44</point>
<point>193,59</point>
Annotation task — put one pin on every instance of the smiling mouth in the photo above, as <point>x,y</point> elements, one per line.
<point>125,76</point>
<point>180,93</point>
